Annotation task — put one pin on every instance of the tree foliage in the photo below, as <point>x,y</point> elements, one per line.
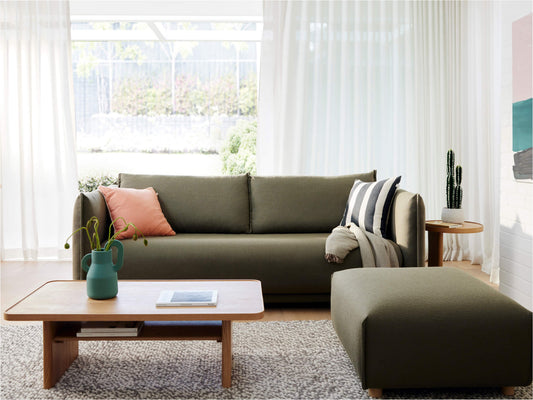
<point>238,153</point>
<point>90,183</point>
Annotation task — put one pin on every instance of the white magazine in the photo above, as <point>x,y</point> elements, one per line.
<point>187,298</point>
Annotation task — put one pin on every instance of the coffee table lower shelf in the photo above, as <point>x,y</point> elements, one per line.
<point>60,343</point>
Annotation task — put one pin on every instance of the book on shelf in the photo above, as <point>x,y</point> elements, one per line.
<point>110,326</point>
<point>187,298</point>
<point>107,334</point>
<point>444,224</point>
<point>110,329</point>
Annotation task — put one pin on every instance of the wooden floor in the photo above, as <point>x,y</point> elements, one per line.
<point>18,278</point>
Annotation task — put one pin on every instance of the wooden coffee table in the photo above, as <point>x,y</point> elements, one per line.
<point>63,305</point>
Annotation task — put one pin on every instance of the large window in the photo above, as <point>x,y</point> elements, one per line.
<point>171,97</point>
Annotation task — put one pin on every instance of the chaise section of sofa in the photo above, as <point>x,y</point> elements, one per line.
<point>272,229</point>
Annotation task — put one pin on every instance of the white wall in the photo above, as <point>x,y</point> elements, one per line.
<point>516,210</point>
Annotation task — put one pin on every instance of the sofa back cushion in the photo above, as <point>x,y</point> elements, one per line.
<point>300,204</point>
<point>199,204</point>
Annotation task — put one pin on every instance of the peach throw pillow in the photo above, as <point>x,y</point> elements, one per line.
<point>140,207</point>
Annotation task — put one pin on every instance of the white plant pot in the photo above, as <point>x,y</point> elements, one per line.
<point>453,215</point>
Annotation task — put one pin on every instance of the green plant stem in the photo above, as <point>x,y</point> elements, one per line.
<point>94,239</point>
<point>96,223</point>
<point>76,231</point>
<point>124,229</point>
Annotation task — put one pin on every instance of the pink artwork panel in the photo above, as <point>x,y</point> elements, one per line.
<point>522,55</point>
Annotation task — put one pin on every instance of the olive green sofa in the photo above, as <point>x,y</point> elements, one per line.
<point>250,227</point>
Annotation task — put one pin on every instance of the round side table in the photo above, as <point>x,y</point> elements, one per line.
<point>435,234</point>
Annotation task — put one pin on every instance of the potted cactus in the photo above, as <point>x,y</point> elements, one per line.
<point>454,192</point>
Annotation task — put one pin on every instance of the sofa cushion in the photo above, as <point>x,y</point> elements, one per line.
<point>283,204</point>
<point>369,204</point>
<point>284,263</point>
<point>217,204</point>
<point>139,207</point>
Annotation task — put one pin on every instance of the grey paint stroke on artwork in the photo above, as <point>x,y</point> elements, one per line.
<point>523,168</point>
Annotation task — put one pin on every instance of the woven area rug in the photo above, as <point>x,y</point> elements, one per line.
<point>271,360</point>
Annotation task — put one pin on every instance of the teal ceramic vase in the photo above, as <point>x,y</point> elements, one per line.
<point>102,278</point>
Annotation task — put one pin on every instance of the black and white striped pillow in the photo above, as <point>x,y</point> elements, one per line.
<point>369,204</point>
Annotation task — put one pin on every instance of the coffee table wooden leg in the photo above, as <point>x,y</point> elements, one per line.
<point>435,252</point>
<point>57,356</point>
<point>226,354</point>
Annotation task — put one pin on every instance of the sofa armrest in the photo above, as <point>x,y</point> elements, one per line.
<point>407,227</point>
<point>87,205</point>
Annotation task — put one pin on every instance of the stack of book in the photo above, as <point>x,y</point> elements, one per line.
<point>110,329</point>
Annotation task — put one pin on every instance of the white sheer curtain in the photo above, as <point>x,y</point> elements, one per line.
<point>37,129</point>
<point>336,87</point>
<point>348,86</point>
<point>476,133</point>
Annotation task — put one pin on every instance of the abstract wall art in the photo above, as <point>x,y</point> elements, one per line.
<point>522,98</point>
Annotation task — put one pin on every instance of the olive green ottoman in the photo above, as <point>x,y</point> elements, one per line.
<point>430,327</point>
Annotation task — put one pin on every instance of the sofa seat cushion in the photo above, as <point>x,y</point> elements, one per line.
<point>284,263</point>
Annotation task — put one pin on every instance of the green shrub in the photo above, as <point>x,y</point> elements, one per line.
<point>141,97</point>
<point>248,96</point>
<point>213,97</point>
<point>222,95</point>
<point>90,183</point>
<point>184,87</point>
<point>238,153</point>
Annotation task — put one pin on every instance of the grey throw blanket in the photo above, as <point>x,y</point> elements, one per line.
<point>375,250</point>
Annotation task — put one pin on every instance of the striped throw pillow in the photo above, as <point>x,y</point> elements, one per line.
<point>369,205</point>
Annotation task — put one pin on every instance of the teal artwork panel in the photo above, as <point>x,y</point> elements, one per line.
<point>522,125</point>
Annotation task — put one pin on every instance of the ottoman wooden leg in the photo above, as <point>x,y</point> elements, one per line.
<point>375,393</point>
<point>508,390</point>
